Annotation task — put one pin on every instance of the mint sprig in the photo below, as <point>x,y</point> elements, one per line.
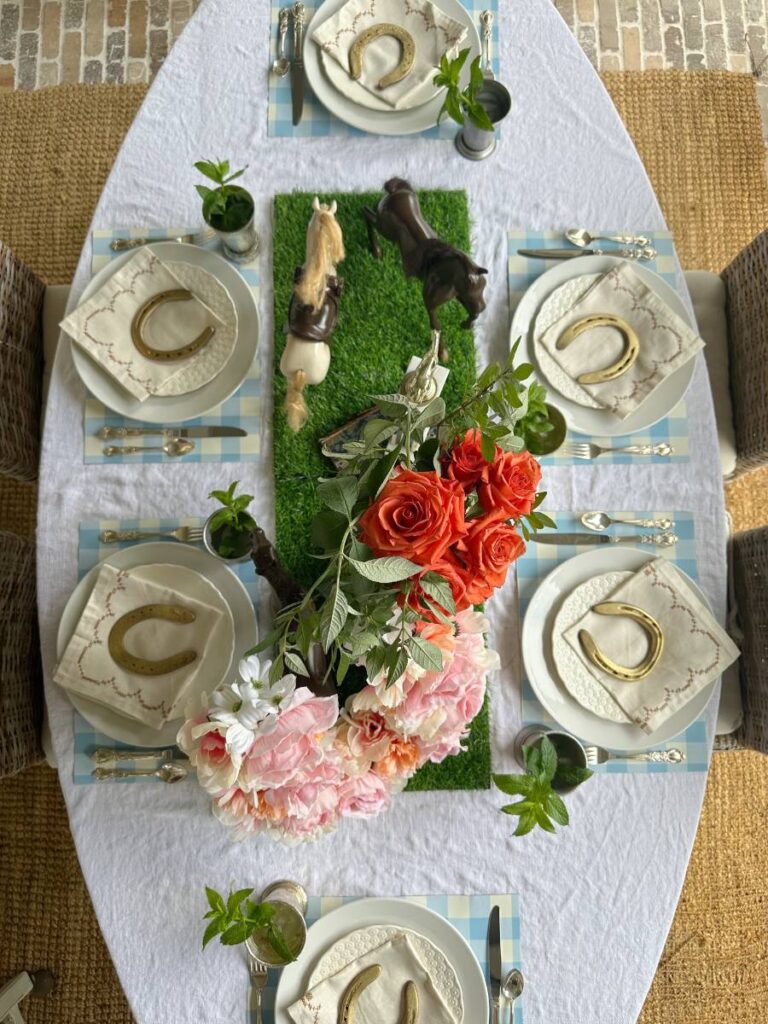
<point>540,804</point>
<point>232,520</point>
<point>237,918</point>
<point>228,207</point>
<point>459,103</point>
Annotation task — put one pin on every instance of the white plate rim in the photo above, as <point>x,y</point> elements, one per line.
<point>542,676</point>
<point>381,910</point>
<point>579,418</point>
<point>219,575</point>
<point>378,122</point>
<point>177,408</point>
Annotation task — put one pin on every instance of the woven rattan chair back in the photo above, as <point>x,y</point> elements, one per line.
<point>750,570</point>
<point>746,281</point>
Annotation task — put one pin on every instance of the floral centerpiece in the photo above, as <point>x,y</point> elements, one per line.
<point>381,664</point>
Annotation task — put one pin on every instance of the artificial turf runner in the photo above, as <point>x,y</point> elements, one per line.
<point>382,323</point>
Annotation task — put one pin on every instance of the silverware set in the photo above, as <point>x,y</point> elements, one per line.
<point>108,760</point>
<point>507,987</point>
<point>175,445</point>
<point>586,450</point>
<point>184,534</point>
<point>283,65</point>
<point>633,247</point>
<point>660,540</point>
<point>126,244</point>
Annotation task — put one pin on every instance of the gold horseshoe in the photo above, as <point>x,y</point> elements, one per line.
<point>627,358</point>
<point>407,52</point>
<point>143,666</point>
<point>146,311</point>
<point>655,642</point>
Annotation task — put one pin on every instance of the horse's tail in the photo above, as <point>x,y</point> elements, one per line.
<point>296,411</point>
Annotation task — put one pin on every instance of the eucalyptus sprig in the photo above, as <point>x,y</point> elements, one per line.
<point>237,918</point>
<point>460,103</point>
<point>228,207</point>
<point>540,804</point>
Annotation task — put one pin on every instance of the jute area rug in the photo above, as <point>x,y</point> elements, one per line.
<point>699,136</point>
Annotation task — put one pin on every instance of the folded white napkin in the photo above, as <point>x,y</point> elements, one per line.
<point>87,668</point>
<point>433,32</point>
<point>666,341</point>
<point>696,649</point>
<point>102,325</point>
<point>382,1000</point>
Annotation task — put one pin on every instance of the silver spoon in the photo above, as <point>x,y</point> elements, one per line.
<point>486,21</point>
<point>601,521</point>
<point>582,238</point>
<point>176,446</point>
<point>511,989</point>
<point>166,773</point>
<point>281,65</point>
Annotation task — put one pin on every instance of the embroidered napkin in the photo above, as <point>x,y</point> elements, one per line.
<point>382,1000</point>
<point>88,668</point>
<point>102,326</point>
<point>696,650</point>
<point>666,341</point>
<point>433,33</point>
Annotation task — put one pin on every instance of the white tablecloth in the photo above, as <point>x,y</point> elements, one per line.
<point>597,899</point>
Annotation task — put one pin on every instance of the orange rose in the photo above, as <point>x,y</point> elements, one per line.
<point>465,462</point>
<point>511,485</point>
<point>416,516</point>
<point>487,551</point>
<point>451,569</point>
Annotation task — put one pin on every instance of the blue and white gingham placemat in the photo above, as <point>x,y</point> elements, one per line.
<point>468,914</point>
<point>316,120</point>
<point>522,272</point>
<point>540,559</point>
<point>91,551</point>
<point>243,409</point>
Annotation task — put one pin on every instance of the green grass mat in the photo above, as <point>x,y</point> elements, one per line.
<point>382,323</point>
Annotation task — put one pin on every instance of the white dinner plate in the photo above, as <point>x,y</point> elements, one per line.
<point>177,408</point>
<point>294,979</point>
<point>542,673</point>
<point>217,585</point>
<point>601,422</point>
<point>379,122</point>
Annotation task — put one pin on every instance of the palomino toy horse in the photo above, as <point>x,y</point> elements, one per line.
<point>445,271</point>
<point>313,311</point>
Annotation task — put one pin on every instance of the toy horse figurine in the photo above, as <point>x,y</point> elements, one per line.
<point>312,312</point>
<point>445,271</point>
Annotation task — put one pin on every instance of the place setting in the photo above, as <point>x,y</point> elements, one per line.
<point>603,324</point>
<point>343,69</point>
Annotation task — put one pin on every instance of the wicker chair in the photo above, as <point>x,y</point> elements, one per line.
<point>21,366</point>
<point>21,696</point>
<point>750,565</point>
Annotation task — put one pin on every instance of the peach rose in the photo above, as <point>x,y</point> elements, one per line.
<point>511,485</point>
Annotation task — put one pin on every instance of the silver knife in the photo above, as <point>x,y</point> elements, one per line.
<point>493,942</point>
<point>297,64</point>
<point>662,540</point>
<point>646,253</point>
<point>108,433</point>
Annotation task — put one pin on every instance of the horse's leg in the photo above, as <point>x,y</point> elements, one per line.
<point>371,220</point>
<point>436,293</point>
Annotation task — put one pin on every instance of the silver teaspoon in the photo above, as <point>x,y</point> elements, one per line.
<point>166,773</point>
<point>281,65</point>
<point>582,238</point>
<point>601,521</point>
<point>511,989</point>
<point>175,447</point>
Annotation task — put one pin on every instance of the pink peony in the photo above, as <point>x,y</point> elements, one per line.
<point>364,796</point>
<point>205,745</point>
<point>368,736</point>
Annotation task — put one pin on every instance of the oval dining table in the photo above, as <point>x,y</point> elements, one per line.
<point>597,899</point>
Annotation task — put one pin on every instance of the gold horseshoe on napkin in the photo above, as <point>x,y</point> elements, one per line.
<point>407,52</point>
<point>652,630</point>
<point>622,364</point>
<point>144,666</point>
<point>146,311</point>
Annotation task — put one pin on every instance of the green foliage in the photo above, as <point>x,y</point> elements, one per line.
<point>228,207</point>
<point>237,918</point>
<point>229,525</point>
<point>460,103</point>
<point>540,804</point>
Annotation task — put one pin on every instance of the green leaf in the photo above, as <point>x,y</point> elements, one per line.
<point>478,115</point>
<point>327,529</point>
<point>432,414</point>
<point>439,589</point>
<point>214,928</point>
<point>342,668</point>
<point>339,493</point>
<point>395,664</point>
<point>425,654</point>
<point>389,569</point>
<point>333,615</point>
<point>264,644</point>
<point>236,933</point>
<point>210,170</point>
<point>532,756</point>
<point>425,456</point>
<point>571,775</point>
<point>514,785</point>
<point>542,820</point>
<point>519,807</point>
<point>215,901</point>
<point>487,447</point>
<point>548,758</point>
<point>523,371</point>
<point>278,943</point>
<point>377,474</point>
<point>295,664</point>
<point>236,898</point>
<point>360,643</point>
<point>237,174</point>
<point>526,823</point>
<point>556,809</point>
<point>203,191</point>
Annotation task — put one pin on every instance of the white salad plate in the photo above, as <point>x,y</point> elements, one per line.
<point>338,924</point>
<point>202,577</point>
<point>177,408</point>
<point>580,418</point>
<point>378,122</point>
<point>541,671</point>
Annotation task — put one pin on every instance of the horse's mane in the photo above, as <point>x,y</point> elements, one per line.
<point>325,248</point>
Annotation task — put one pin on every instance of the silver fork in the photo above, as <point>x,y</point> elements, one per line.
<point>584,450</point>
<point>185,534</point>
<point>258,975</point>
<point>599,755</point>
<point>124,244</point>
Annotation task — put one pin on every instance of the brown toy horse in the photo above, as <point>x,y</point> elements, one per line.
<point>445,271</point>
